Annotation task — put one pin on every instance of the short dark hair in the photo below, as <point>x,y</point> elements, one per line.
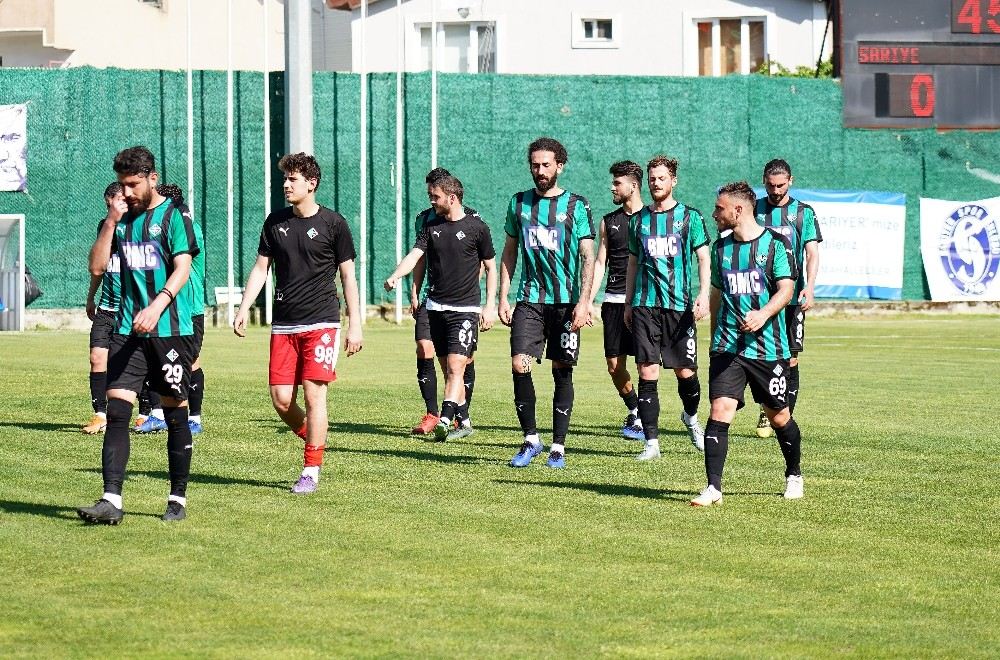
<point>135,160</point>
<point>436,175</point>
<point>777,166</point>
<point>549,144</point>
<point>301,163</point>
<point>113,189</point>
<point>172,191</point>
<point>450,185</point>
<point>627,168</point>
<point>740,189</point>
<point>663,161</point>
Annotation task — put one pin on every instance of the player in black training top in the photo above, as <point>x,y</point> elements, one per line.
<point>612,256</point>
<point>309,245</point>
<point>455,245</point>
<point>426,371</point>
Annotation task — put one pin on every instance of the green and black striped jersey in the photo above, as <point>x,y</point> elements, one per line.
<point>796,221</point>
<point>197,280</point>
<point>111,281</point>
<point>548,231</point>
<point>146,245</point>
<point>664,243</point>
<point>424,218</point>
<point>747,274</point>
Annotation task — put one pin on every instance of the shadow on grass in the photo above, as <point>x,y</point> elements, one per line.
<point>622,490</point>
<point>605,432</point>
<point>618,490</point>
<point>341,427</point>
<point>197,478</point>
<point>53,511</point>
<point>515,444</point>
<point>45,426</point>
<point>457,459</point>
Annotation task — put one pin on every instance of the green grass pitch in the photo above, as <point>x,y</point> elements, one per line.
<point>420,549</point>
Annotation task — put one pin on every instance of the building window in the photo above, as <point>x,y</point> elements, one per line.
<point>590,31</point>
<point>462,47</point>
<point>730,45</point>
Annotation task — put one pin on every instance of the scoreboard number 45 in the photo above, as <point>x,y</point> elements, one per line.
<point>975,16</point>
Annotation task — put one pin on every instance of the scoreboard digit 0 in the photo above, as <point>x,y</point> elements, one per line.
<point>920,63</point>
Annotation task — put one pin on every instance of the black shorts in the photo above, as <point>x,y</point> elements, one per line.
<point>795,326</point>
<point>102,328</point>
<point>536,325</point>
<point>199,335</point>
<point>729,374</point>
<point>165,362</point>
<point>422,331</point>
<point>617,336</point>
<point>454,333</point>
<point>665,336</point>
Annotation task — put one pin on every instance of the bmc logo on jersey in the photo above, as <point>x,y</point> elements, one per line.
<point>142,256</point>
<point>662,246</point>
<point>538,237</point>
<point>744,282</point>
<point>969,247</point>
<point>784,230</point>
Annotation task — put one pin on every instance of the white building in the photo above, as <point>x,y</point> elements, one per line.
<point>588,37</point>
<point>153,34</point>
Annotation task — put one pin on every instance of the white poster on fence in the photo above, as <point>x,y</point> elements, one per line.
<point>13,147</point>
<point>960,243</point>
<point>861,255</point>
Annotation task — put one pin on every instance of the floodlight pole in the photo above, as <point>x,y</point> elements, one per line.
<point>269,282</point>
<point>298,77</point>
<point>230,298</point>
<point>190,116</point>
<point>399,152</point>
<point>363,169</point>
<point>434,85</point>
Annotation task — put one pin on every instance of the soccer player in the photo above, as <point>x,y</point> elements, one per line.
<point>308,245</point>
<point>796,221</point>
<point>426,372</point>
<point>150,407</point>
<point>456,244</point>
<point>751,284</point>
<point>663,238</point>
<point>612,256</point>
<point>102,313</point>
<point>154,336</point>
<point>552,230</point>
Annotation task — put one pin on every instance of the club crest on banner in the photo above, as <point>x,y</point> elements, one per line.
<point>969,248</point>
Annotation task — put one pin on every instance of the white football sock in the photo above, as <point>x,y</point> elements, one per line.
<point>114,499</point>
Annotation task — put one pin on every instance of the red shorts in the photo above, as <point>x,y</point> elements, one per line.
<point>309,355</point>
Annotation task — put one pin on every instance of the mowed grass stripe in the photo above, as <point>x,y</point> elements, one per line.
<point>414,548</point>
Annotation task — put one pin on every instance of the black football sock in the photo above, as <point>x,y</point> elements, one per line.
<point>470,384</point>
<point>716,448</point>
<point>562,403</point>
<point>154,400</point>
<point>114,454</point>
<point>790,441</point>
<point>631,399</point>
<point>689,390</point>
<point>427,380</point>
<point>524,402</point>
<point>448,410</point>
<point>197,393</point>
<point>179,446</point>
<point>649,408</point>
<point>99,391</point>
<point>793,388</point>
<point>144,405</point>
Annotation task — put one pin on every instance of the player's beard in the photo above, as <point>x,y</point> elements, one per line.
<point>543,184</point>
<point>618,199</point>
<point>659,195</point>
<point>140,204</point>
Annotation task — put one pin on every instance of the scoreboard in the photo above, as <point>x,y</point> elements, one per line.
<point>920,63</point>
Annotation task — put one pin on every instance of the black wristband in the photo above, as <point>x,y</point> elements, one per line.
<point>167,291</point>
